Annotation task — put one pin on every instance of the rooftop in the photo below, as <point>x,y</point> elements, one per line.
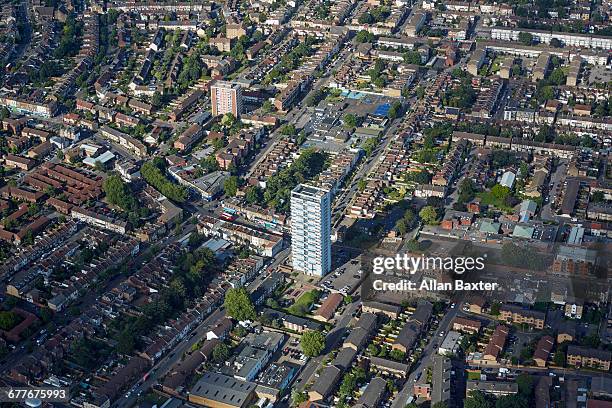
<point>223,389</point>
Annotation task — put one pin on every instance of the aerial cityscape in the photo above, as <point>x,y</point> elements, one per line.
<point>306,203</point>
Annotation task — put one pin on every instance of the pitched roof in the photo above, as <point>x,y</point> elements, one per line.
<point>329,306</point>
<point>345,357</point>
<point>373,393</point>
<point>389,364</point>
<point>367,321</point>
<point>407,337</point>
<point>357,337</point>
<point>589,352</point>
<point>325,384</point>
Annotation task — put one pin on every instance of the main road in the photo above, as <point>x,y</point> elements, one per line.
<point>346,195</point>
<point>168,361</point>
<point>299,110</point>
<point>161,368</point>
<point>332,341</point>
<point>426,359</point>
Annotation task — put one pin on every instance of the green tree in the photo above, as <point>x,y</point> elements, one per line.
<point>267,106</point>
<point>118,193</point>
<point>28,239</point>
<point>512,401</point>
<point>413,57</point>
<point>84,352</point>
<point>373,349</point>
<point>4,113</point>
<point>364,37</point>
<point>420,92</point>
<point>156,100</point>
<point>239,305</point>
<point>458,73</point>
<point>297,397</point>
<point>8,320</point>
<point>526,353</point>
<point>153,173</point>
<point>495,308</point>
<point>429,215</point>
<point>419,177</point>
<point>312,343</point>
<point>414,246</point>
<point>70,38</point>
<point>400,227</point>
<point>315,97</point>
<point>254,195</point>
<point>33,209</point>
<point>477,399</point>
<point>429,141</point>
<point>500,192</point>
<point>230,186</point>
<point>394,110</point>
<point>126,342</point>
<point>557,77</point>
<point>467,190</point>
<point>209,164</point>
<point>278,187</point>
<point>545,93</point>
<point>350,120</point>
<point>525,38</point>
<point>46,315</point>
<point>9,223</point>
<point>362,184</point>
<point>439,404</point>
<point>369,145</point>
<point>397,355</point>
<point>598,197</point>
<point>410,217</point>
<point>228,120</point>
<point>272,303</point>
<point>220,353</point>
<point>366,18</point>
<point>559,358</point>
<point>525,384</point>
<point>349,382</point>
<point>462,96</point>
<point>219,143</point>
<point>288,130</point>
<point>545,134</point>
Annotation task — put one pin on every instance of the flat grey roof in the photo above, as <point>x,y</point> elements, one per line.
<point>223,389</point>
<point>441,380</point>
<point>308,190</point>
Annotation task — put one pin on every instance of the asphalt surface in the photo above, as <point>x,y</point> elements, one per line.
<point>162,367</point>
<point>346,195</point>
<point>332,341</point>
<point>426,359</point>
<point>168,361</point>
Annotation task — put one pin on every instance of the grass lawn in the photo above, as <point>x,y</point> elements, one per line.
<point>8,320</point>
<point>487,198</point>
<point>496,65</point>
<point>304,303</point>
